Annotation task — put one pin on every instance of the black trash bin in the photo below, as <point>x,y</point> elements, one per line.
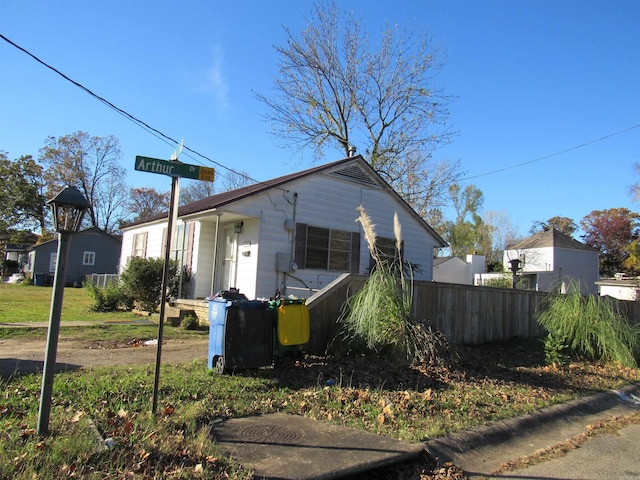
<point>240,334</point>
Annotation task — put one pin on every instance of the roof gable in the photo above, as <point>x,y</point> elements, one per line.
<point>551,238</point>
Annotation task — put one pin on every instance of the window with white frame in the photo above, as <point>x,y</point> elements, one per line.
<point>139,246</point>
<point>89,258</point>
<point>52,261</point>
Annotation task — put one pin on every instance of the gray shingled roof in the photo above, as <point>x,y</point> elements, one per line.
<point>551,238</point>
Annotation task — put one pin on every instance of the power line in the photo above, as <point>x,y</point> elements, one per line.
<point>554,154</point>
<point>145,126</point>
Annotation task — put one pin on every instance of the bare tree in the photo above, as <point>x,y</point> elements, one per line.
<point>234,180</point>
<point>195,190</point>
<point>336,88</point>
<point>146,202</point>
<point>503,234</point>
<point>92,165</point>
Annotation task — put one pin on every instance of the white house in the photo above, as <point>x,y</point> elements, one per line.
<point>294,234</point>
<point>620,287</point>
<point>458,270</point>
<point>552,261</point>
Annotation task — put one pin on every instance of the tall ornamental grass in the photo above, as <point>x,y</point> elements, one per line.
<point>378,318</point>
<point>592,327</point>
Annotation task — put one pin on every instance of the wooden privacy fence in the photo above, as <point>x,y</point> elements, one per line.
<point>465,314</point>
<point>475,315</point>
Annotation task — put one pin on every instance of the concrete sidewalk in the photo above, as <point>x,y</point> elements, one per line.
<point>281,446</point>
<point>481,452</point>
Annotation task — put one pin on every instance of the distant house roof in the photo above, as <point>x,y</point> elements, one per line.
<point>551,238</point>
<point>442,260</point>
<point>354,169</point>
<point>117,238</point>
<point>625,282</point>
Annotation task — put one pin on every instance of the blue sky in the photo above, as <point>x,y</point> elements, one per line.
<point>531,79</point>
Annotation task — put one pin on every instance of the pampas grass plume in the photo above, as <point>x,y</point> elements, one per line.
<point>368,227</point>
<point>397,231</point>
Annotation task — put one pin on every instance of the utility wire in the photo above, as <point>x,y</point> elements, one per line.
<point>554,154</point>
<point>157,133</point>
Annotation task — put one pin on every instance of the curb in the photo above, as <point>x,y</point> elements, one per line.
<point>504,430</point>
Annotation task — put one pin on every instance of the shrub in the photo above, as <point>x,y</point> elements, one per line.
<point>110,298</point>
<point>502,282</point>
<point>592,327</point>
<point>190,323</point>
<point>142,280</point>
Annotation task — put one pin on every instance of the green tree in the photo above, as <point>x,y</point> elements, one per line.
<point>632,262</point>
<point>22,203</point>
<point>611,232</point>
<point>92,165</point>
<point>562,224</point>
<point>336,88</point>
<point>468,233</point>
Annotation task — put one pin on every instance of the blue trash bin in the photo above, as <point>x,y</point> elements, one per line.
<point>240,334</point>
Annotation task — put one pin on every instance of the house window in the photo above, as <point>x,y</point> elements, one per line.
<point>88,258</point>
<point>387,250</point>
<point>327,249</point>
<point>139,247</point>
<point>52,262</point>
<point>181,244</point>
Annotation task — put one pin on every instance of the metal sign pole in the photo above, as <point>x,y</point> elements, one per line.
<point>173,210</point>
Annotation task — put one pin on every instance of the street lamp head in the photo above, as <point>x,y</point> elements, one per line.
<point>68,208</point>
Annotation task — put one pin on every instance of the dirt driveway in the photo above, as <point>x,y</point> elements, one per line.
<point>19,355</point>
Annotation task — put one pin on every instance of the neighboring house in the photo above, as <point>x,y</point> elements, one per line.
<point>90,251</point>
<point>457,270</point>
<point>622,288</point>
<point>552,261</point>
<point>16,257</point>
<point>16,254</point>
<point>294,234</point>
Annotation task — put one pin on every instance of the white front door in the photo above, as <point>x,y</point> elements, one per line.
<point>230,270</point>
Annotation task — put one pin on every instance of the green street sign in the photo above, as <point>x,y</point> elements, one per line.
<point>174,169</point>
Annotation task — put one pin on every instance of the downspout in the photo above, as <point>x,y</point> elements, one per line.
<point>215,256</point>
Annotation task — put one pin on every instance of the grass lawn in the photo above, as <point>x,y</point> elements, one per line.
<point>28,303</point>
<point>409,403</point>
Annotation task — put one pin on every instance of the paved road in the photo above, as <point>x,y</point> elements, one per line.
<point>482,452</point>
<point>614,456</point>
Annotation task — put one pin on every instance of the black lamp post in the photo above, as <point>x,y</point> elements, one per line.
<point>68,207</point>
